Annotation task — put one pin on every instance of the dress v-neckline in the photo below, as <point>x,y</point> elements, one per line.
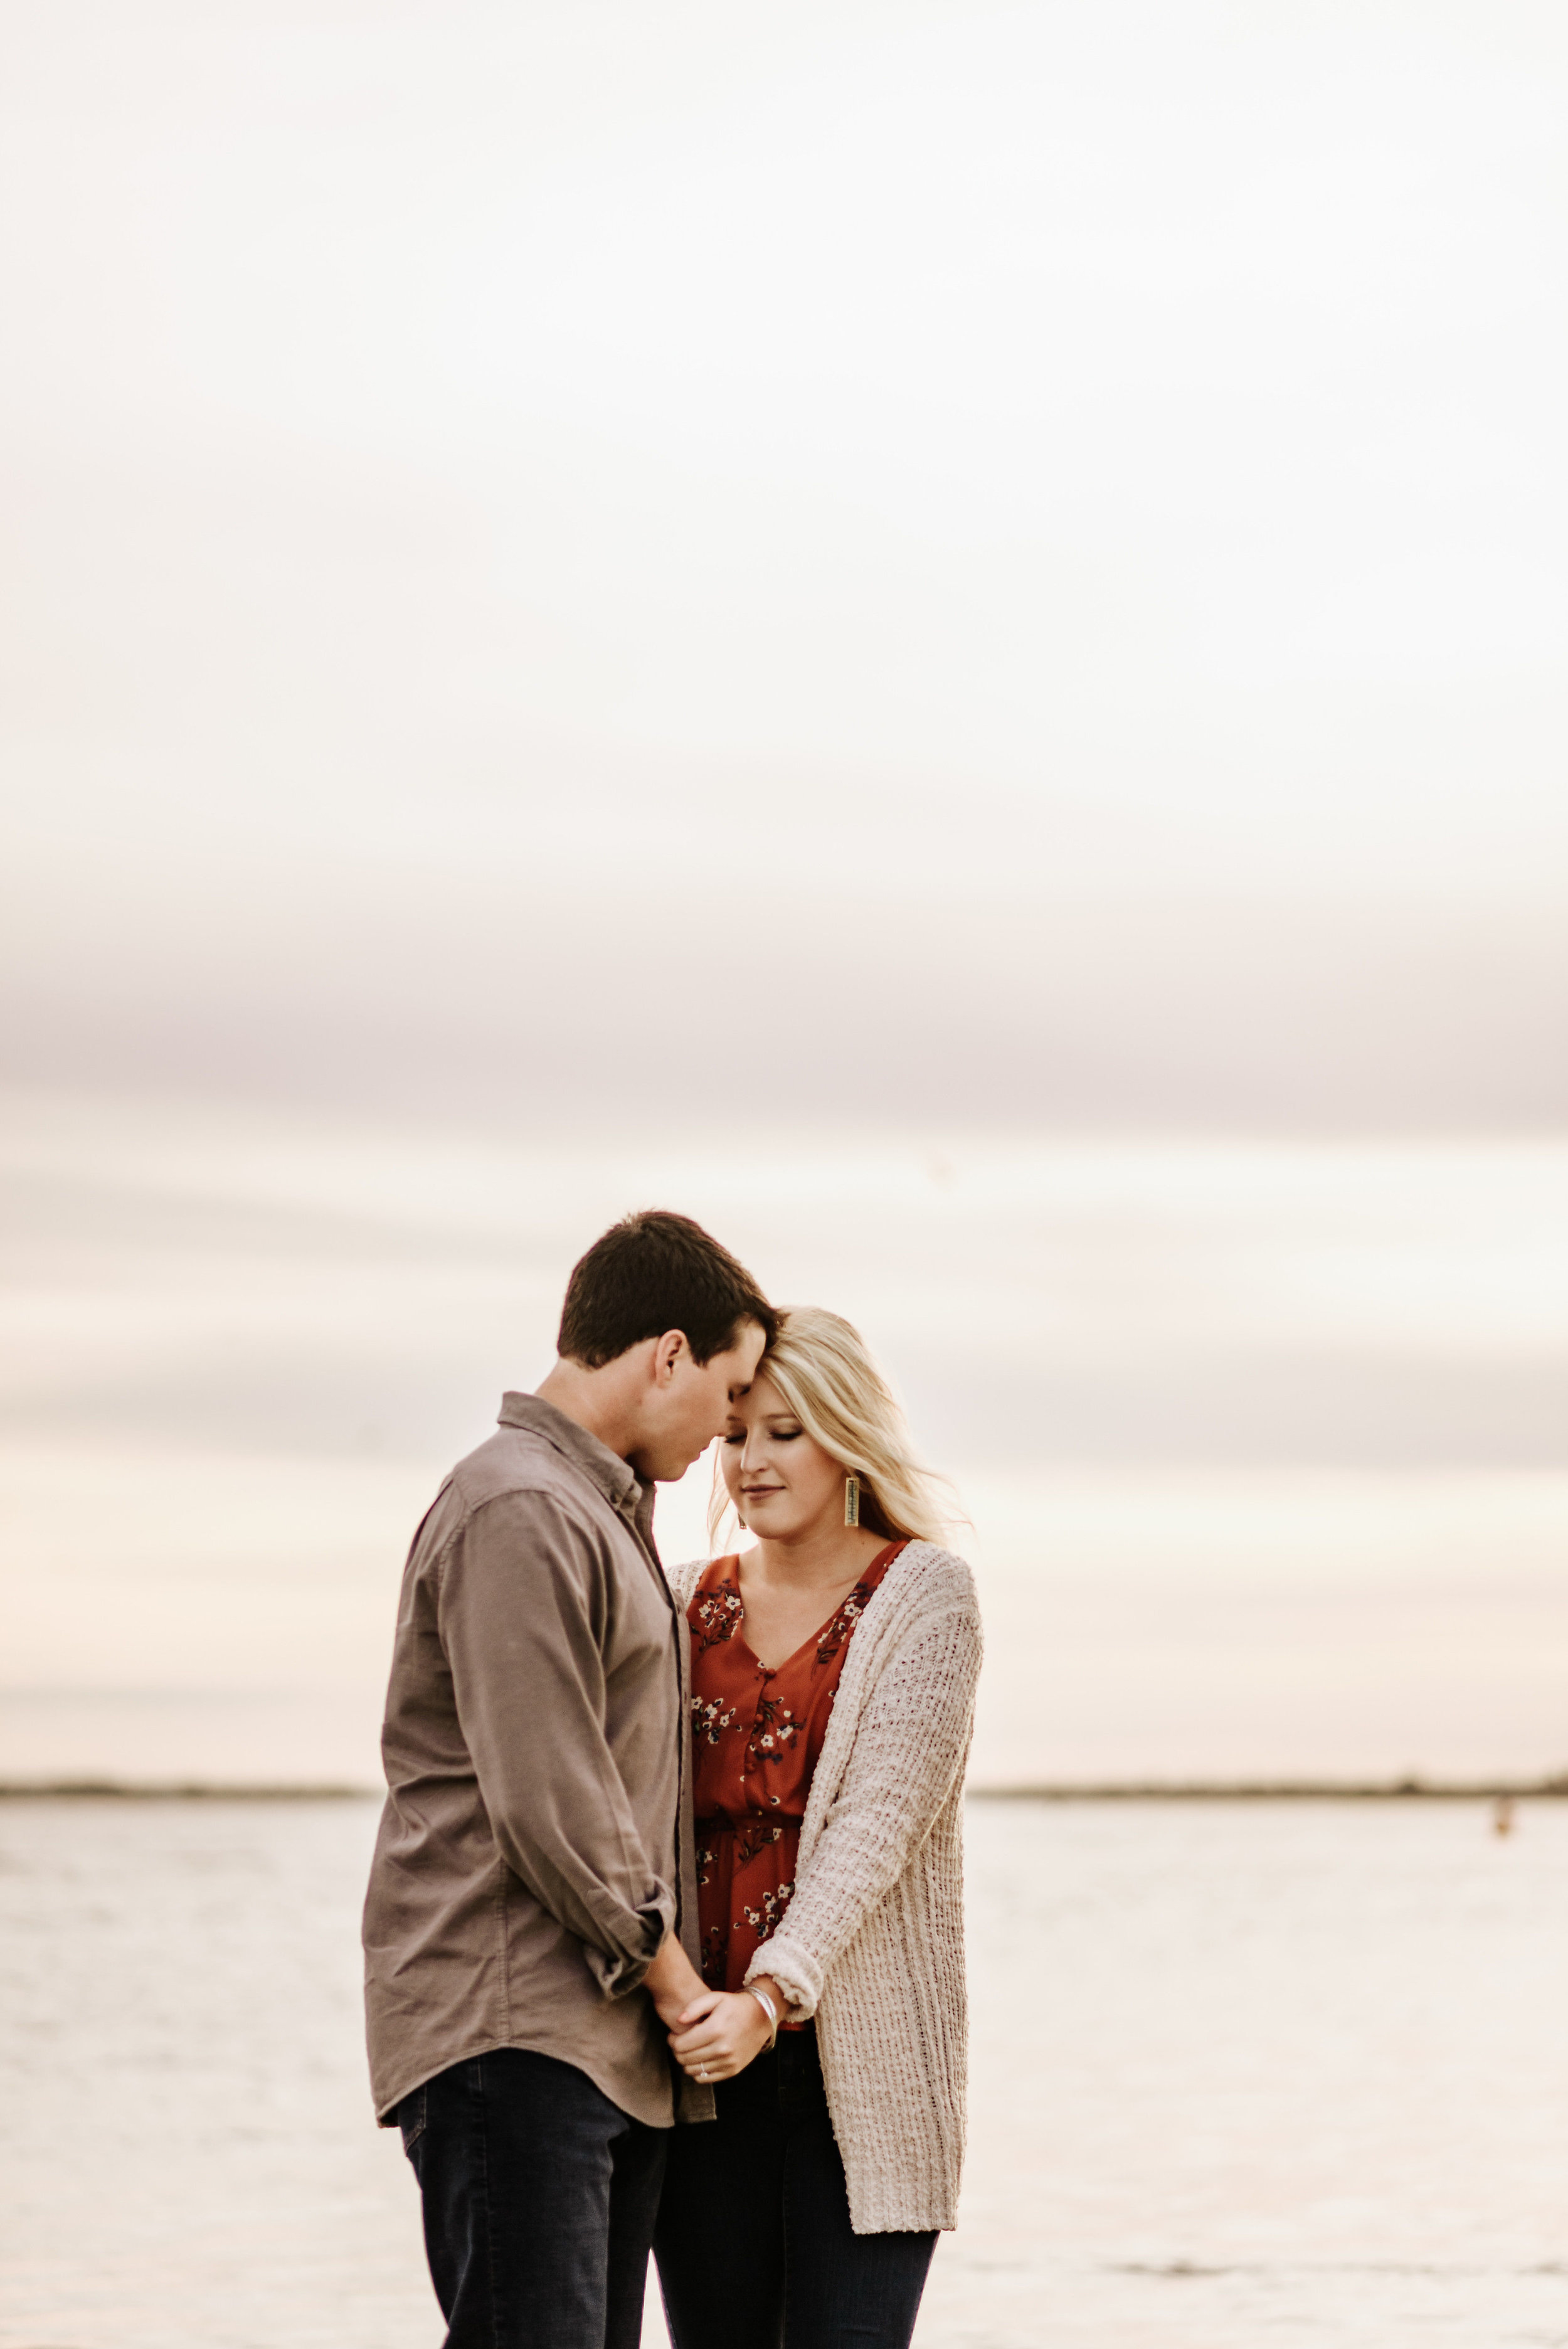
<point>811,1637</point>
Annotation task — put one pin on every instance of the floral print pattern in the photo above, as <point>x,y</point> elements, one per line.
<point>757,1733</point>
<point>714,1614</point>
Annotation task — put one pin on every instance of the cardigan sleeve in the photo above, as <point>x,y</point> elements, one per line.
<point>684,1580</point>
<point>910,1747</point>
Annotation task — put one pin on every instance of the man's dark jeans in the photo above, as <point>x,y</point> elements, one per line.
<point>754,2244</point>
<point>540,2200</point>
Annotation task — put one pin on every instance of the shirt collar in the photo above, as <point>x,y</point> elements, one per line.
<point>615,1478</point>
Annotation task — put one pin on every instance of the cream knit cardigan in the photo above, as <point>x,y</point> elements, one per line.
<point>873,1940</point>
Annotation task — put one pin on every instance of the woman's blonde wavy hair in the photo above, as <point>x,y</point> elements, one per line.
<point>819,1364</point>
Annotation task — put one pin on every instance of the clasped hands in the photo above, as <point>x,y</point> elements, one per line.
<point>713,2033</point>
<point>718,2034</point>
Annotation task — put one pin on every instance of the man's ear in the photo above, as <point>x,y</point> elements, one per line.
<point>668,1352</point>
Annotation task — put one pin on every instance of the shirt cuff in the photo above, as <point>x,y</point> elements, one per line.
<point>621,1972</point>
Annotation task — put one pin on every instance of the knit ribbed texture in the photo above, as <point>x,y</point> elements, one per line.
<point>873,1941</point>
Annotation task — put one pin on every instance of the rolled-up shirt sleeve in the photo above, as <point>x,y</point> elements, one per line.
<point>521,1615</point>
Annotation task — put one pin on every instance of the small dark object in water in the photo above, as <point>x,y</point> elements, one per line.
<point>1502,1815</point>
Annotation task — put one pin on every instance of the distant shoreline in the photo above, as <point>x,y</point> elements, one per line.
<point>1283,1790</point>
<point>1287,1790</point>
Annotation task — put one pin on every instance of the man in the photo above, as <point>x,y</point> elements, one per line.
<point>531,1926</point>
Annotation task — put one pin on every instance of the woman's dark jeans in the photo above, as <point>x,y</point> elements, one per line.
<point>754,2242</point>
<point>539,2197</point>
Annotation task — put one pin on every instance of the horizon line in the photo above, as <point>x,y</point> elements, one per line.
<point>1404,1789</point>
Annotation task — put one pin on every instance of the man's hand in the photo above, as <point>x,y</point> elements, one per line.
<point>720,2034</point>
<point>672,1982</point>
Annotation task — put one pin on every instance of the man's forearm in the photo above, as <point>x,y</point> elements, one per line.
<point>672,1982</point>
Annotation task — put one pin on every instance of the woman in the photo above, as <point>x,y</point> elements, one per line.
<point>833,1671</point>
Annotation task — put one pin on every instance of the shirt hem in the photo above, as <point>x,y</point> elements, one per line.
<point>385,2112</point>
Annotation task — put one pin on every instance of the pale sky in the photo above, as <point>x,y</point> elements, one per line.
<point>1265,1444</point>
<point>943,625</point>
<point>1071,499</point>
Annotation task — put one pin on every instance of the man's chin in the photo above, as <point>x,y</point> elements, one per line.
<point>663,1468</point>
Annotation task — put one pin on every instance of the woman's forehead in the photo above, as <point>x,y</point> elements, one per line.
<point>762,1401</point>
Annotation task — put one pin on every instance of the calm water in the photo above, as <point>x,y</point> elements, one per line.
<point>1243,2073</point>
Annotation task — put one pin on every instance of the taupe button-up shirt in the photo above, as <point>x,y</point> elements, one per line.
<point>537,1827</point>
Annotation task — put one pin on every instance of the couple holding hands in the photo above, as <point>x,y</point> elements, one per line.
<point>663,1937</point>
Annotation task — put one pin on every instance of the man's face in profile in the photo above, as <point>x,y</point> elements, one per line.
<point>692,1410</point>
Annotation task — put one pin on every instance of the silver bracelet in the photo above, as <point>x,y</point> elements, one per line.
<point>769,2009</point>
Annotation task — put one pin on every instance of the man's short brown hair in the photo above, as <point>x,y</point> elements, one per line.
<point>655,1271</point>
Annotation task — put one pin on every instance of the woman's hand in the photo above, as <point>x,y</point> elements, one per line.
<point>720,2034</point>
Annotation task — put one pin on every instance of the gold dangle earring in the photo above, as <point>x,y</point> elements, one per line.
<point>851,1500</point>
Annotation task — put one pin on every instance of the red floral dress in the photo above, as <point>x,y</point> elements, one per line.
<point>757,1733</point>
